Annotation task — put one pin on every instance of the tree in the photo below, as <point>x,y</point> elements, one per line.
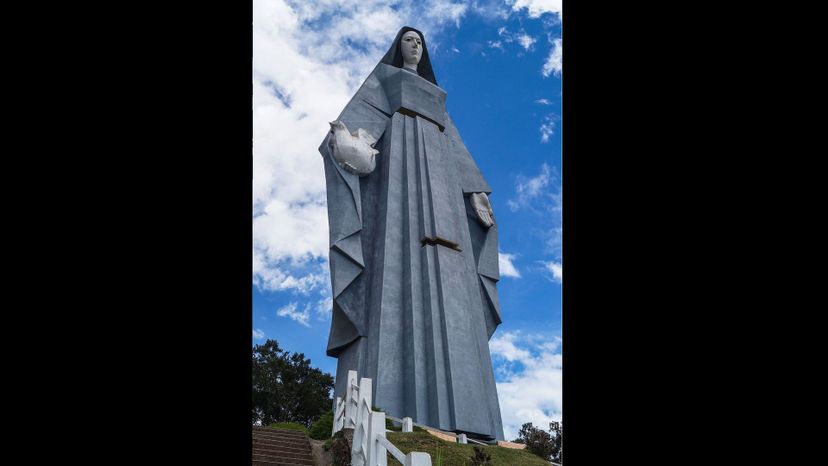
<point>556,429</point>
<point>547,445</point>
<point>286,388</point>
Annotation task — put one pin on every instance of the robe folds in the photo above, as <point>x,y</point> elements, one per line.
<point>413,272</point>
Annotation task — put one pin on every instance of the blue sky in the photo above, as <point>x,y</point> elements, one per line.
<point>500,62</point>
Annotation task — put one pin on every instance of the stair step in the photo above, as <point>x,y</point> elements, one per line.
<point>276,438</point>
<point>279,438</point>
<point>287,432</point>
<point>281,460</point>
<point>287,442</point>
<point>280,463</point>
<point>281,434</point>
<point>281,446</point>
<point>281,453</point>
<point>274,463</point>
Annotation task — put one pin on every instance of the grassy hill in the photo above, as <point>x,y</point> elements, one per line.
<point>445,453</point>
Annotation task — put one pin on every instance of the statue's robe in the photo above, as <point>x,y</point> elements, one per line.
<point>413,273</point>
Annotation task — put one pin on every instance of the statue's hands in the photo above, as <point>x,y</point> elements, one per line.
<point>480,204</point>
<point>355,151</point>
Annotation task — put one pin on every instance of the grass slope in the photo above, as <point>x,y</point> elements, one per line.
<point>291,426</point>
<point>455,454</point>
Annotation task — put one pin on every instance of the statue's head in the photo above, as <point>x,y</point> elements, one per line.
<point>410,51</point>
<point>411,47</point>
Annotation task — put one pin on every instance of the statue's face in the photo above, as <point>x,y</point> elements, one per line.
<point>412,48</point>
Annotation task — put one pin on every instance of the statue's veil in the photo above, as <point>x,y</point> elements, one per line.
<point>394,56</point>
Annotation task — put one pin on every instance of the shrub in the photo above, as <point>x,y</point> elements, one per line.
<point>321,429</point>
<point>480,458</point>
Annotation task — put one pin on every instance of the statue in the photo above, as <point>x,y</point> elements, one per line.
<point>413,257</point>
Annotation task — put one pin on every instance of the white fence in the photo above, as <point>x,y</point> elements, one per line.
<point>370,444</point>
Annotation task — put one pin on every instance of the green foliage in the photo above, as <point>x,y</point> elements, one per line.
<point>321,429</point>
<point>480,458</point>
<point>547,445</point>
<point>438,456</point>
<point>290,425</point>
<point>286,388</point>
<point>455,454</point>
<point>556,429</point>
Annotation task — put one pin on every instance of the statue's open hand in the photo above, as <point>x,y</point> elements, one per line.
<point>481,205</point>
<point>355,151</point>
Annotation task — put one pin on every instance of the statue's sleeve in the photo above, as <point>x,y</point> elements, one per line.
<point>489,274</point>
<point>484,240</point>
<point>471,179</point>
<point>366,110</point>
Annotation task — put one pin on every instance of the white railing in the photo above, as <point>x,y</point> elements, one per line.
<point>369,445</point>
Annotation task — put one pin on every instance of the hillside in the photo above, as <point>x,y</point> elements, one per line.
<point>455,454</point>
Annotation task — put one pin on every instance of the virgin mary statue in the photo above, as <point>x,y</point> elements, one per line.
<point>413,252</point>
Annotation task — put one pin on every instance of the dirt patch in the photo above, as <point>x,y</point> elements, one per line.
<point>320,456</point>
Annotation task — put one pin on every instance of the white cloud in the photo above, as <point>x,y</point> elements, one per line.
<point>503,346</point>
<point>536,8</point>
<point>290,311</point>
<point>324,307</point>
<point>547,128</point>
<point>507,267</point>
<point>297,276</point>
<point>554,63</point>
<point>530,389</point>
<point>302,313</point>
<point>556,269</point>
<point>528,189</point>
<point>491,9</point>
<point>542,195</point>
<point>526,41</point>
<point>554,241</point>
<point>543,102</point>
<point>309,58</point>
<point>446,11</point>
<point>496,44</point>
<point>258,334</point>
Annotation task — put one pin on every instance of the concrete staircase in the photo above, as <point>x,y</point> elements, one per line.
<point>281,447</point>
